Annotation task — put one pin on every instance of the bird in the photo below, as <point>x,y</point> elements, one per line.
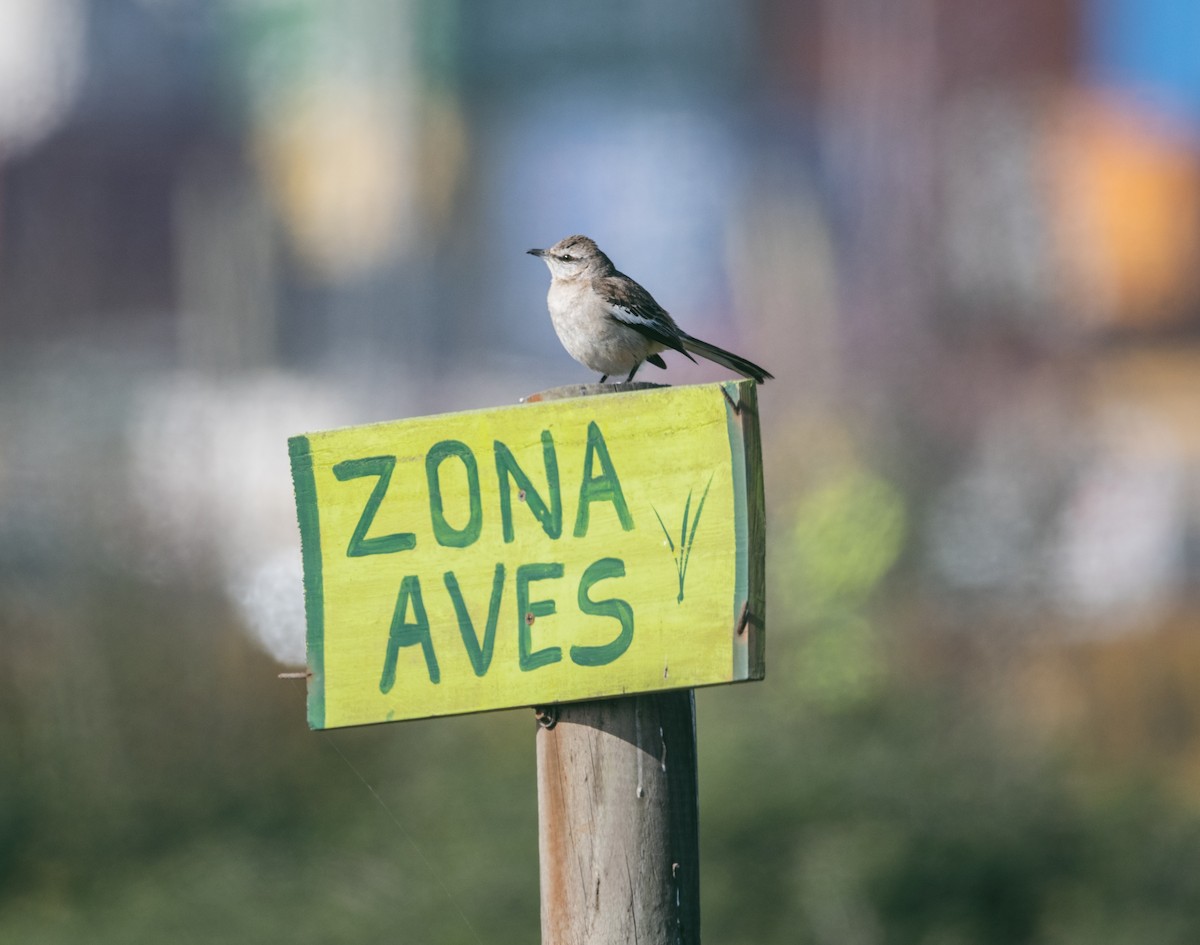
<point>610,324</point>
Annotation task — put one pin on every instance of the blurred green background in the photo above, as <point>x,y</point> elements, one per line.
<point>965,236</point>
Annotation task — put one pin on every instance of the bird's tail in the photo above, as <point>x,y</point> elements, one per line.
<point>725,358</point>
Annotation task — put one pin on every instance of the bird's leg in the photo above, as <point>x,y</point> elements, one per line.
<point>633,372</point>
<point>603,378</point>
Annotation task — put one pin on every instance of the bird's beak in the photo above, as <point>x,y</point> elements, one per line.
<point>536,252</point>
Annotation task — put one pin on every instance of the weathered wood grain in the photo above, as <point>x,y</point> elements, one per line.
<point>617,823</point>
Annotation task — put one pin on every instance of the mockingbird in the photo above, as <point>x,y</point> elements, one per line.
<point>609,323</point>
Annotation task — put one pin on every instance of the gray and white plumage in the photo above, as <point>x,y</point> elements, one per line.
<point>609,323</point>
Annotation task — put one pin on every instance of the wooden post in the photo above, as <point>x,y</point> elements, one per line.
<point>617,822</point>
<point>618,840</point>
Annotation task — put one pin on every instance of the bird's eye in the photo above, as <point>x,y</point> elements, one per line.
<point>566,257</point>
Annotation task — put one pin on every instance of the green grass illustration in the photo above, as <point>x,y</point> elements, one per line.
<point>686,538</point>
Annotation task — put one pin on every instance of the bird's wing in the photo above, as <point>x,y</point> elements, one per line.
<point>631,305</point>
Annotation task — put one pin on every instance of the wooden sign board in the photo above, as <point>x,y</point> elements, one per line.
<point>547,552</point>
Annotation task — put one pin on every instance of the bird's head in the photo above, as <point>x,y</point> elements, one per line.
<point>573,258</point>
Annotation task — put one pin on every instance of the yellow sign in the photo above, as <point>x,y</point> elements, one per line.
<point>548,552</point>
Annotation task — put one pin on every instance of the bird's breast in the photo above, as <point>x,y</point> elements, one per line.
<point>590,335</point>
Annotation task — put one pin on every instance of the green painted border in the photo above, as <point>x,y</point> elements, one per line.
<point>741,524</point>
<point>305,485</point>
<point>756,628</point>
<point>745,449</point>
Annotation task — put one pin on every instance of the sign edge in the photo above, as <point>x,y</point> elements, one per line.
<point>304,485</point>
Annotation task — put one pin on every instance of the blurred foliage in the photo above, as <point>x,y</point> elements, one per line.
<point>158,784</point>
<point>912,820</point>
<point>847,534</point>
